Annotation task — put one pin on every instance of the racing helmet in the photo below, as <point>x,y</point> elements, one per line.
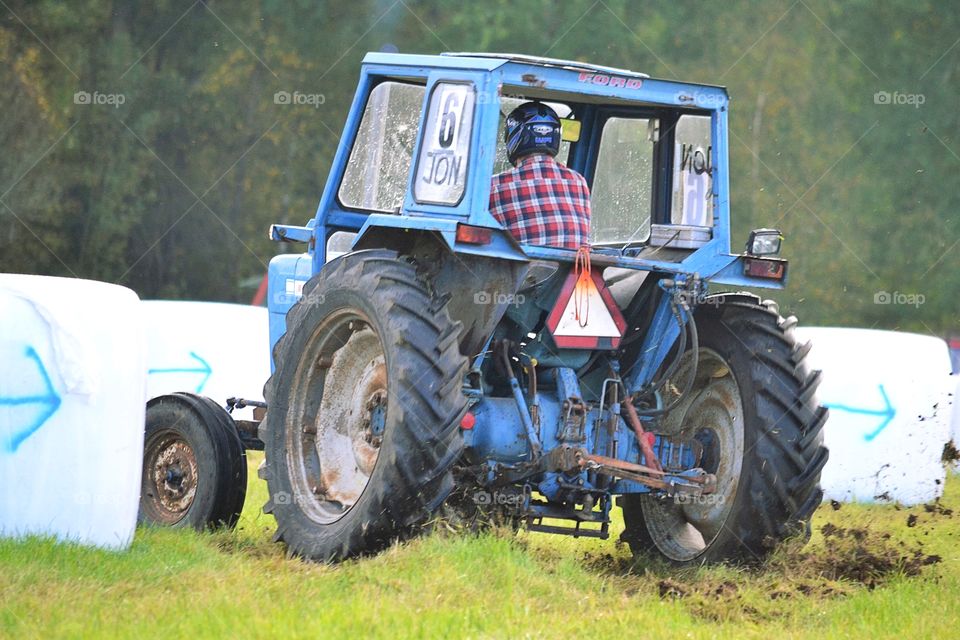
<point>533,127</point>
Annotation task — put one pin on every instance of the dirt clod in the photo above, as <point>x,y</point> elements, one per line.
<point>950,453</point>
<point>937,509</point>
<point>844,560</point>
<point>725,589</point>
<point>864,557</point>
<point>671,589</point>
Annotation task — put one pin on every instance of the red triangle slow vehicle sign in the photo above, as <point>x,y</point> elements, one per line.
<point>586,315</point>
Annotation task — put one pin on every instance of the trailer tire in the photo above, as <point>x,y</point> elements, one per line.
<point>194,465</point>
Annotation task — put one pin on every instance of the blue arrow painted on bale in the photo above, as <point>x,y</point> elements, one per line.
<point>48,402</point>
<point>204,368</point>
<point>887,413</point>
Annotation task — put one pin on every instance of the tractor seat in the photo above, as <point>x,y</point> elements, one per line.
<point>623,283</point>
<point>538,273</point>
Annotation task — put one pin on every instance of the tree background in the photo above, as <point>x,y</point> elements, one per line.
<point>171,192</point>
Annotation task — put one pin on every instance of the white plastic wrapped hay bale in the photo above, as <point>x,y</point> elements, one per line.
<point>888,394</point>
<point>212,349</point>
<point>72,394</point>
<point>955,422</point>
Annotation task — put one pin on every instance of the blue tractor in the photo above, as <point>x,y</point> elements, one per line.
<point>426,364</point>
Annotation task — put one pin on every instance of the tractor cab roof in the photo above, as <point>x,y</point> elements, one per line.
<point>550,78</point>
<point>572,65</point>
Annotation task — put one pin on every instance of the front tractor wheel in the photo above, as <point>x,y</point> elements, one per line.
<point>361,430</point>
<point>753,410</point>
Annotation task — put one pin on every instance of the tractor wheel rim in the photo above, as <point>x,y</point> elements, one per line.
<point>171,476</point>
<point>684,527</point>
<point>344,397</point>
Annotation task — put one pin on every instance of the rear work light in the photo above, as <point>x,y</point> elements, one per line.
<point>764,242</point>
<point>770,268</point>
<point>473,235</point>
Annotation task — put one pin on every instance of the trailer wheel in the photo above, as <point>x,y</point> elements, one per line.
<point>361,430</point>
<point>753,409</point>
<point>194,466</point>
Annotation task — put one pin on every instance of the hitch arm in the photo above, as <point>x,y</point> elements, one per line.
<point>653,478</point>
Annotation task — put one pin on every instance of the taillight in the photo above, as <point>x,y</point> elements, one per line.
<point>473,235</point>
<point>764,268</point>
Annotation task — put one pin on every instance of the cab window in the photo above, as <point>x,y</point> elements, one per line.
<point>622,192</point>
<point>378,171</point>
<point>692,201</point>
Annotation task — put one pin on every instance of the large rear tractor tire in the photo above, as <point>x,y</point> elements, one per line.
<point>753,408</point>
<point>194,465</point>
<point>362,425</point>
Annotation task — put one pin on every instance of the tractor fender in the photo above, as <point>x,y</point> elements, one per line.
<point>478,287</point>
<point>744,297</point>
<point>395,232</point>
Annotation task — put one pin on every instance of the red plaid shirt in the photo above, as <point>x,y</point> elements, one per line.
<point>542,202</point>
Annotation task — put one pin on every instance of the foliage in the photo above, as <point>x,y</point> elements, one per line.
<point>171,191</point>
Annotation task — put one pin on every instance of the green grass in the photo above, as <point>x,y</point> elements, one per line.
<point>183,584</point>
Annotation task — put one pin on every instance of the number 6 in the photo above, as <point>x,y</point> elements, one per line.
<point>448,121</point>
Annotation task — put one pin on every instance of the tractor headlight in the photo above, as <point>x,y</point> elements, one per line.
<point>764,242</point>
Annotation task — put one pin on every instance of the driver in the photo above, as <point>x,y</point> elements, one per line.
<point>540,201</point>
